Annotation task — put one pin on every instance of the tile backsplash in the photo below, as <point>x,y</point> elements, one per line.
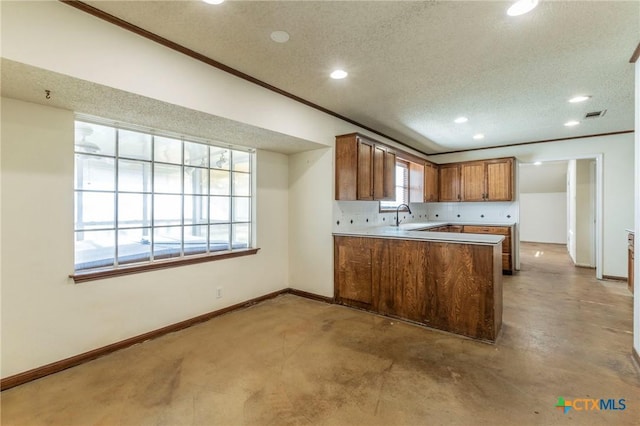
<point>357,214</point>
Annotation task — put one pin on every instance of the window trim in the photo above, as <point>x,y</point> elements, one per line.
<point>406,164</point>
<point>100,274</point>
<point>120,269</point>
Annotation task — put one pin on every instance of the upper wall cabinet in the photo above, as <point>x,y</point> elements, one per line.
<point>488,180</point>
<point>430,182</point>
<point>500,179</point>
<point>449,182</point>
<point>365,170</point>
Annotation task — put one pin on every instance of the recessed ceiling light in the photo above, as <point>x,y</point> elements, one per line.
<point>571,123</point>
<point>580,98</point>
<point>537,163</point>
<point>339,74</point>
<point>280,36</point>
<point>213,1</point>
<point>460,120</point>
<point>521,7</point>
<point>478,136</point>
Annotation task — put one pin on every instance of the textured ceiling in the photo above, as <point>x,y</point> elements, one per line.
<point>24,82</point>
<point>414,66</point>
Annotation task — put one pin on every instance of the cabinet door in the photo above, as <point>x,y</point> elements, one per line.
<point>472,181</point>
<point>346,168</point>
<point>365,170</point>
<point>378,172</point>
<point>389,175</point>
<point>430,182</point>
<point>500,180</point>
<point>406,292</point>
<point>354,271</point>
<point>449,182</point>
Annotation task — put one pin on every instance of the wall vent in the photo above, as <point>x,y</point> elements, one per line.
<point>595,114</point>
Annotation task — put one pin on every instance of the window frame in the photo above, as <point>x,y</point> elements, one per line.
<point>154,261</point>
<point>407,189</point>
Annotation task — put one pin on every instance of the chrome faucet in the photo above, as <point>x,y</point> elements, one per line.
<point>398,213</point>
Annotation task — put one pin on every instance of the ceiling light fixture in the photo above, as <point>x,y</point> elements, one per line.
<point>537,163</point>
<point>571,123</point>
<point>521,7</point>
<point>478,137</point>
<point>580,98</point>
<point>339,74</point>
<point>280,36</point>
<point>213,1</point>
<point>461,120</point>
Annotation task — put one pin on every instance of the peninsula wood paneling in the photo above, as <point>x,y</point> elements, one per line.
<point>354,271</point>
<point>465,301</point>
<point>449,286</point>
<point>507,245</point>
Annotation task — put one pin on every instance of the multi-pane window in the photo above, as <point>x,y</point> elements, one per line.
<point>141,197</point>
<point>402,187</point>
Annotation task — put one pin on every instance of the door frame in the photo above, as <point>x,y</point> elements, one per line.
<point>599,204</point>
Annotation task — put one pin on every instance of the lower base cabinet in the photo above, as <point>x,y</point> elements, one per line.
<point>449,286</point>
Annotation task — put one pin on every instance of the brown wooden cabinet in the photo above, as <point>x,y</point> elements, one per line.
<point>449,182</point>
<point>365,170</point>
<point>389,174</point>
<point>452,287</point>
<point>430,182</point>
<point>488,180</point>
<point>473,181</point>
<point>507,244</point>
<point>378,172</point>
<point>499,177</point>
<point>354,271</point>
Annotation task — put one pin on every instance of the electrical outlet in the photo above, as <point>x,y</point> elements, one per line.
<point>219,292</point>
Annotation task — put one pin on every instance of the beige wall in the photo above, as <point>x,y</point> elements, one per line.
<point>543,217</point>
<point>45,316</point>
<point>585,213</point>
<point>310,227</point>
<point>618,159</point>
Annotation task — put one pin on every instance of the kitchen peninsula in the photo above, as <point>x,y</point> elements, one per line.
<point>448,281</point>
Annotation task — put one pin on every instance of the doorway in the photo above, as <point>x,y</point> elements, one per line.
<point>561,203</point>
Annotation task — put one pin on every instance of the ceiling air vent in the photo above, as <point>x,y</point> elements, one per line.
<point>595,114</point>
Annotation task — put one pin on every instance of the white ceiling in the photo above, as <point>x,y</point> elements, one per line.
<point>414,66</point>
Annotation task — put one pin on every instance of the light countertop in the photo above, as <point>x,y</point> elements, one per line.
<point>412,231</point>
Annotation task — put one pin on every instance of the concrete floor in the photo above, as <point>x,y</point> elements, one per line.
<point>294,361</point>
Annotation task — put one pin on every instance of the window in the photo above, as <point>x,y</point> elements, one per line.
<point>402,187</point>
<point>141,197</point>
